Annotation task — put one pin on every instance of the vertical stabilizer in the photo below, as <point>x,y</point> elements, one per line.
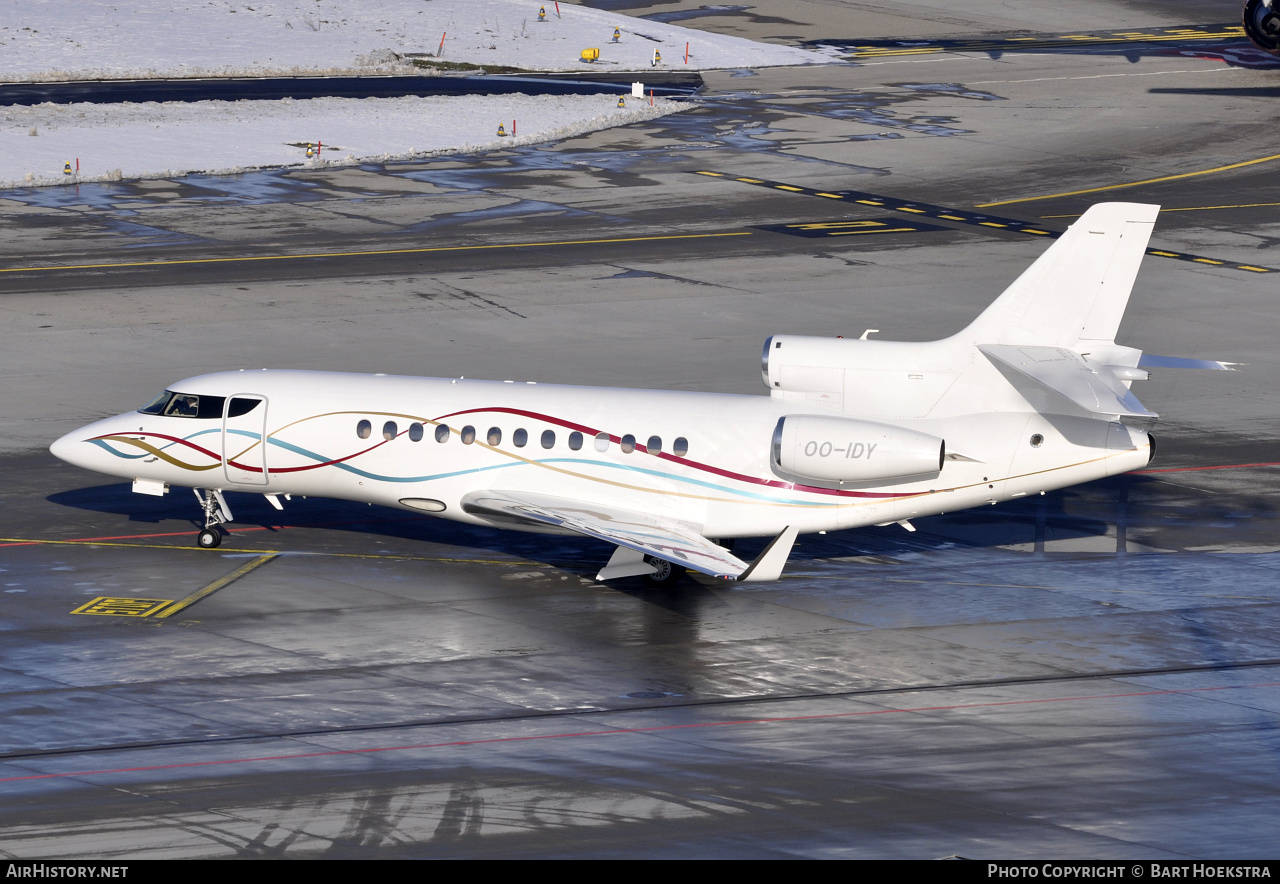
<point>1078,290</point>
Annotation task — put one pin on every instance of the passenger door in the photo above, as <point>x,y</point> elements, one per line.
<point>244,439</point>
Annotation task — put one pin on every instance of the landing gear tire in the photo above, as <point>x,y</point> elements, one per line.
<point>209,538</point>
<point>664,573</point>
<point>1262,24</point>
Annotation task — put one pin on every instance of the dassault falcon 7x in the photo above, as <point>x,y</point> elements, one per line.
<point>1032,396</point>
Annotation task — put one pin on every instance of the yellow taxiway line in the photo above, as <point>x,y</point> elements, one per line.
<point>1030,199</point>
<point>1187,209</point>
<point>213,587</point>
<point>27,541</point>
<point>373,252</point>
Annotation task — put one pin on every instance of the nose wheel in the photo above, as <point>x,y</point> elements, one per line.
<point>216,512</point>
<point>208,538</point>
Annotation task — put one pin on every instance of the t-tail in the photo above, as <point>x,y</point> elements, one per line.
<point>1056,325</point>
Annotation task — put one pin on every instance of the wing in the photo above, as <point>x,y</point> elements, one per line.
<point>652,535</point>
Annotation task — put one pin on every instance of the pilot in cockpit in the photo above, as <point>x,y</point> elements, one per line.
<point>185,406</point>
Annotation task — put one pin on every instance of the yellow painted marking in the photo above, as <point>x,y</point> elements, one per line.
<point>1163,254</point>
<point>1063,40</point>
<point>991,224</point>
<point>834,196</point>
<point>514,245</point>
<point>1187,209</point>
<point>877,52</point>
<point>788,187</point>
<point>750,180</point>
<point>1050,196</point>
<point>1254,269</point>
<point>1207,261</point>
<point>835,225</point>
<point>274,552</point>
<point>953,217</point>
<point>1036,232</point>
<point>109,606</point>
<point>905,209</point>
<point>713,174</point>
<point>869,202</point>
<point>884,230</point>
<point>1208,208</point>
<point>215,586</point>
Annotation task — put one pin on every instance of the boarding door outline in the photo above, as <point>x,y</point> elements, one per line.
<point>244,461</point>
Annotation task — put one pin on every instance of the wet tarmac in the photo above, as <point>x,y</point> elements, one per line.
<point>1090,674</point>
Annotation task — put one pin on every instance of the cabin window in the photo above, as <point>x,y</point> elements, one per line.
<point>628,444</point>
<point>415,432</point>
<point>602,441</point>
<point>520,438</point>
<point>548,439</point>
<point>442,432</point>
<point>364,429</point>
<point>680,447</point>
<point>468,435</point>
<point>575,440</point>
<point>495,437</point>
<point>654,446</point>
<point>390,430</point>
<point>1037,440</point>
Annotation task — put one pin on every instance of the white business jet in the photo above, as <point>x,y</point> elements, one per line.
<point>1032,396</point>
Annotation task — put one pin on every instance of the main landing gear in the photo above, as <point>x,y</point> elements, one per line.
<point>664,573</point>
<point>216,512</point>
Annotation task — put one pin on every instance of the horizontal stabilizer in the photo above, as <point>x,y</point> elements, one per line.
<point>1089,385</point>
<point>1149,360</point>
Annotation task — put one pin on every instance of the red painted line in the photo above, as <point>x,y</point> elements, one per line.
<point>238,530</point>
<point>634,730</point>
<point>1230,466</point>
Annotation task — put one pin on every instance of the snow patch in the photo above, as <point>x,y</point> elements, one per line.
<point>164,140</point>
<point>107,39</point>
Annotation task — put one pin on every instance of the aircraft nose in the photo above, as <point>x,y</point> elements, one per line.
<point>76,448</point>
<point>69,448</point>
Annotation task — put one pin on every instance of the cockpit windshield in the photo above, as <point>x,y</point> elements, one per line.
<point>171,404</point>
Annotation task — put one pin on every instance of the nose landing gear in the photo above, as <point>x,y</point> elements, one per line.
<point>216,512</point>
<point>208,538</point>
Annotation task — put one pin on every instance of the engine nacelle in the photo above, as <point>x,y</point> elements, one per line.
<point>835,449</point>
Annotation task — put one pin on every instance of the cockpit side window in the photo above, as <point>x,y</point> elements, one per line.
<point>241,406</point>
<point>182,406</point>
<point>171,404</point>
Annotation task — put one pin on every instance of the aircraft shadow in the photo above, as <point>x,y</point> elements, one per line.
<point>1137,509</point>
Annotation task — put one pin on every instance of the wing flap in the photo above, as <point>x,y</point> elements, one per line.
<point>651,535</point>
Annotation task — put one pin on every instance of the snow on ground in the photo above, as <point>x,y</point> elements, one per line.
<point>162,140</point>
<point>51,40</point>
<point>56,40</point>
